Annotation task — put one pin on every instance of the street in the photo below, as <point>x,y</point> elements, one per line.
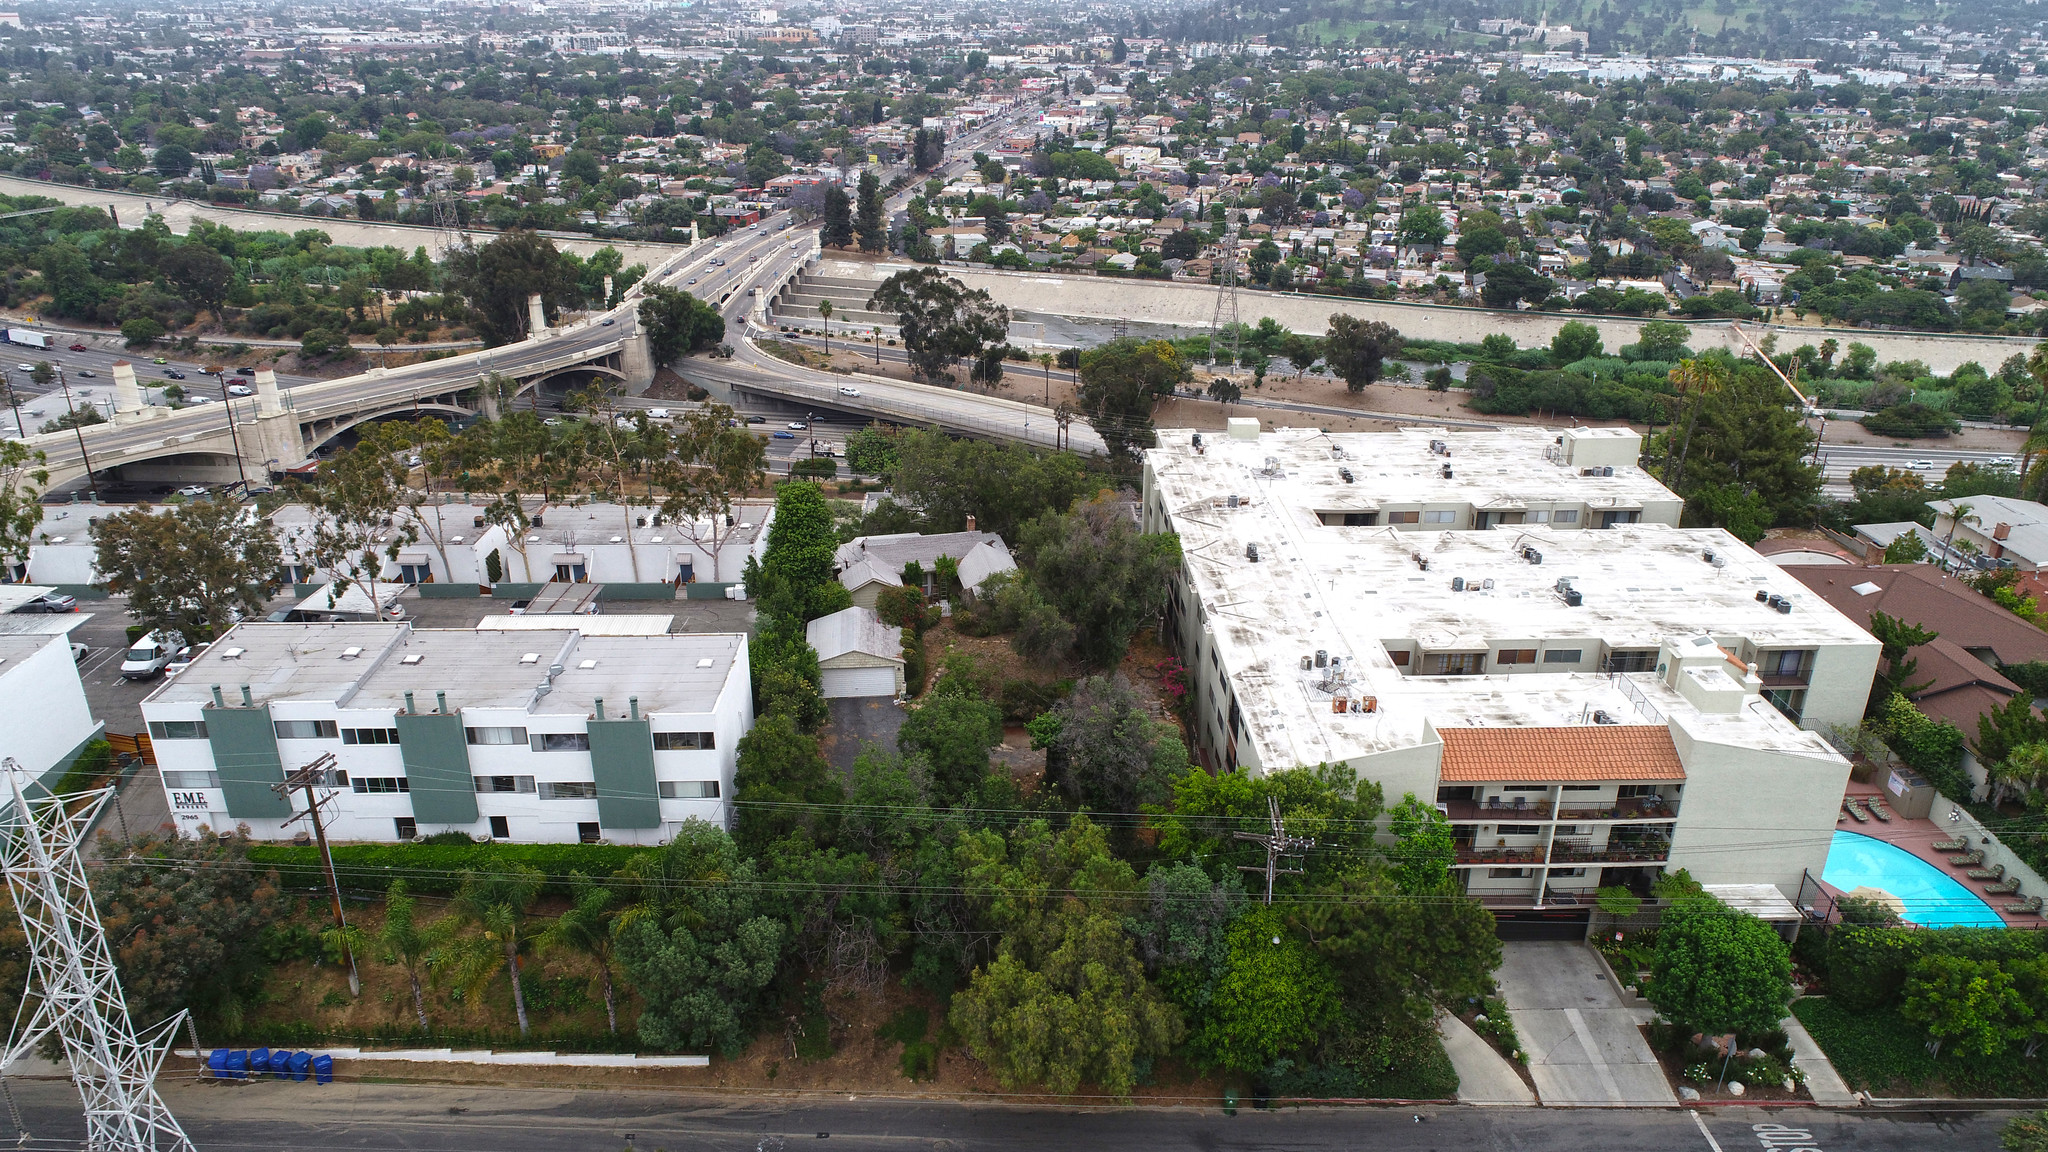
<point>374,1117</point>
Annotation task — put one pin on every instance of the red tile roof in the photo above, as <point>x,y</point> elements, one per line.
<point>1591,752</point>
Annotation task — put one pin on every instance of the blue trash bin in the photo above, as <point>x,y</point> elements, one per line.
<point>259,1062</point>
<point>323,1069</point>
<point>280,1063</point>
<point>238,1065</point>
<point>301,1064</point>
<point>217,1063</point>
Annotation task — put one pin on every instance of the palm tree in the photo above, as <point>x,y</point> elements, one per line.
<point>1959,513</point>
<point>589,927</point>
<point>824,310</point>
<point>1045,361</point>
<point>1696,380</point>
<point>496,904</point>
<point>402,938</point>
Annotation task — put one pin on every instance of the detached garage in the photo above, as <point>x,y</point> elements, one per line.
<point>858,655</point>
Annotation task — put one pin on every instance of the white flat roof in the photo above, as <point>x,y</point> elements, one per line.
<point>648,625</point>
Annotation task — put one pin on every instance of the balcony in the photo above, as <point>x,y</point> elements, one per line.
<point>1496,811</point>
<point>1499,857</point>
<point>1641,852</point>
<point>1634,808</point>
<point>1799,679</point>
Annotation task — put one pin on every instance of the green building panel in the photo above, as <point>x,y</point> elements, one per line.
<point>436,756</point>
<point>245,755</point>
<point>622,763</point>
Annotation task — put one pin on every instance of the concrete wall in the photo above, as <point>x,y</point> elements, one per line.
<point>1754,816</point>
<point>1191,306</point>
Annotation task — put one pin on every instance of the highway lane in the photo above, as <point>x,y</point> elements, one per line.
<point>290,1117</point>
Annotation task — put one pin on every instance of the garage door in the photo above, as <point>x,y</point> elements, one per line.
<point>858,681</point>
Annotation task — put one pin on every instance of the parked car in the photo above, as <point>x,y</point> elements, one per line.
<point>51,602</point>
<point>240,390</point>
<point>150,655</point>
<point>185,657</point>
<point>78,347</point>
<point>80,651</point>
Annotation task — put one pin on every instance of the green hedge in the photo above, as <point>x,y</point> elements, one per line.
<point>436,868</point>
<point>1882,1052</point>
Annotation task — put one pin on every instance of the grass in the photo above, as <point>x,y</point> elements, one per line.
<point>1883,1053</point>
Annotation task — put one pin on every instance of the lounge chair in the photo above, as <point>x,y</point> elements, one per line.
<point>1856,810</point>
<point>1955,845</point>
<point>1967,859</point>
<point>1995,872</point>
<point>2031,906</point>
<point>2010,886</point>
<point>1878,809</point>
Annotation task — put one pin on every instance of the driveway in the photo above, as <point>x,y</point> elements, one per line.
<point>1585,1050</point>
<point>855,722</point>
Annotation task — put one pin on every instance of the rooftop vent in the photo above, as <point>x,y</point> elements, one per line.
<point>412,659</point>
<point>530,658</point>
<point>536,520</point>
<point>232,654</point>
<point>351,652</point>
<point>705,662</point>
<point>476,522</point>
<point>618,539</point>
<point>1322,657</point>
<point>587,665</point>
<point>455,539</point>
<point>1197,443</point>
<point>656,539</point>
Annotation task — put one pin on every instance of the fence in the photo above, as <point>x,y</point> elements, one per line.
<point>515,591</point>
<point>643,591</point>
<point>705,590</point>
<point>450,591</point>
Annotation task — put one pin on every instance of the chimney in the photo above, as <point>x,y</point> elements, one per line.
<point>600,708</point>
<point>267,403</point>
<point>970,521</point>
<point>218,700</point>
<point>633,706</point>
<point>248,701</point>
<point>127,393</point>
<point>410,707</point>
<point>440,703</point>
<point>2001,532</point>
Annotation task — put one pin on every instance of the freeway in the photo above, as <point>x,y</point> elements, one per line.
<point>289,1117</point>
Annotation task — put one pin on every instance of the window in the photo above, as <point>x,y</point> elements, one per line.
<point>177,729</point>
<point>589,833</point>
<point>191,779</point>
<point>1610,519</point>
<point>419,573</point>
<point>1361,519</point>
<point>306,729</point>
<point>1564,656</point>
<point>495,735</point>
<point>571,573</point>
<point>1584,787</point>
<point>689,789</point>
<point>1508,873</point>
<point>1635,791</point>
<point>1638,661</point>
<point>1515,656</point>
<point>504,783</point>
<point>380,784</point>
<point>1536,516</point>
<point>1520,829</point>
<point>561,741</point>
<point>1555,873</point>
<point>569,790</point>
<point>1526,788</point>
<point>684,742</point>
<point>1457,664</point>
<point>297,574</point>
<point>1403,517</point>
<point>405,827</point>
<point>1440,517</point>
<point>501,828</point>
<point>1399,657</point>
<point>369,735</point>
<point>1565,516</point>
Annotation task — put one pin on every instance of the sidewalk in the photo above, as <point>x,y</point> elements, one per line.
<point>1823,1083</point>
<point>1484,1075</point>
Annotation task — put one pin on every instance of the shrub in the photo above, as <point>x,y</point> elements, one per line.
<point>435,868</point>
<point>1912,421</point>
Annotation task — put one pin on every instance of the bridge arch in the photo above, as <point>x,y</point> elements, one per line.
<point>323,432</point>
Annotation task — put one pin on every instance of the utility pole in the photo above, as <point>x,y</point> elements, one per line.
<point>234,437</point>
<point>317,775</point>
<point>1278,844</point>
<point>21,430</point>
<point>90,487</point>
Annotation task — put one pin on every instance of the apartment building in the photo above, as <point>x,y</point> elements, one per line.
<point>1590,698</point>
<point>529,736</point>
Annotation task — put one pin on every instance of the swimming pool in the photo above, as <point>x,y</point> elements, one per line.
<point>1933,898</point>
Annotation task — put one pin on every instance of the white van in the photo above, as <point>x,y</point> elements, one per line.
<point>150,655</point>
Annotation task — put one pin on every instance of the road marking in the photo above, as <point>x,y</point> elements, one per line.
<point>1711,1142</point>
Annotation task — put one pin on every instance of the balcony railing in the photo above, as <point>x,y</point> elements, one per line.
<point>1799,679</point>
<point>1648,852</point>
<point>1633,808</point>
<point>1500,857</point>
<point>1496,811</point>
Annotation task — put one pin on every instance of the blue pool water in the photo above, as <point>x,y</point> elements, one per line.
<point>1933,898</point>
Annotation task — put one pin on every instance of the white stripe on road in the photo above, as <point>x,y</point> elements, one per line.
<point>1711,1142</point>
<point>1594,1056</point>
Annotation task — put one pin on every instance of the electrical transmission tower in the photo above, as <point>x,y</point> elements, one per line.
<point>1224,319</point>
<point>1278,845</point>
<point>72,983</point>
<point>447,216</point>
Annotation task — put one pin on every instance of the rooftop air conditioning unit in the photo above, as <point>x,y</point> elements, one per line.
<point>1251,553</point>
<point>1346,474</point>
<point>1457,583</point>
<point>1601,717</point>
<point>1607,471</point>
<point>1339,705</point>
<point>1230,501</point>
<point>1447,471</point>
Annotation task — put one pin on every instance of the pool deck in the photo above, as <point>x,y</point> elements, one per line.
<point>1918,837</point>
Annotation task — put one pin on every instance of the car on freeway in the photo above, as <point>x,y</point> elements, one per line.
<point>78,347</point>
<point>245,371</point>
<point>159,360</point>
<point>798,425</point>
<point>88,373</point>
<point>1921,464</point>
<point>607,322</point>
<point>240,390</point>
<point>781,435</point>
<point>757,419</point>
<point>2004,461</point>
<point>51,602</point>
<point>199,399</point>
<point>173,374</point>
<point>553,421</point>
<point>848,390</point>
<point>692,280</point>
<point>193,490</point>
<point>657,414</point>
<point>26,367</point>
